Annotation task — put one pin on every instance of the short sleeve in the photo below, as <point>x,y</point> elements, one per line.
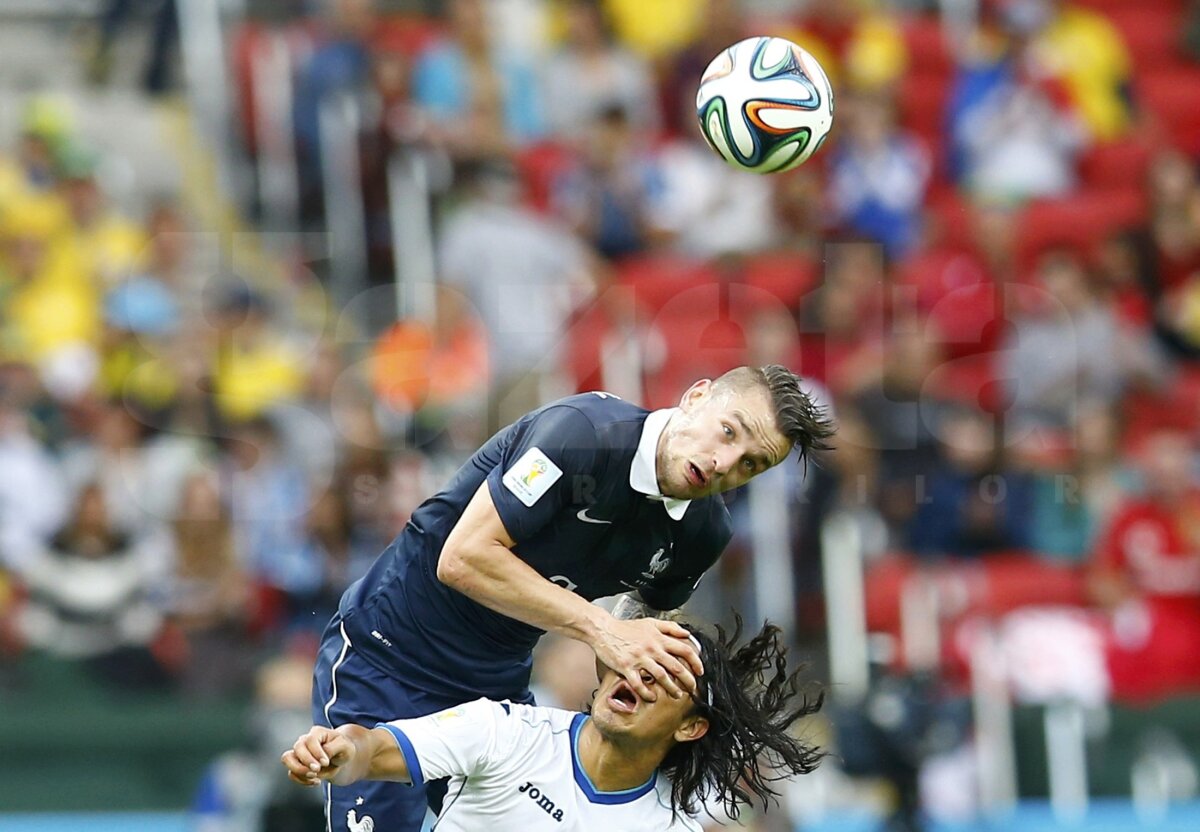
<point>459,741</point>
<point>552,460</point>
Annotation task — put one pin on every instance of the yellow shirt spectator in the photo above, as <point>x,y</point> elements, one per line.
<point>655,28</point>
<point>249,380</point>
<point>1086,51</point>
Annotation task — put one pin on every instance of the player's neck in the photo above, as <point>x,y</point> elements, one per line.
<point>613,768</point>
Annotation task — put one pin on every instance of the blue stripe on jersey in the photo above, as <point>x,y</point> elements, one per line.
<point>410,754</point>
<point>585,783</point>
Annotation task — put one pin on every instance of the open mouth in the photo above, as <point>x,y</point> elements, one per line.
<point>622,699</point>
<point>696,476</point>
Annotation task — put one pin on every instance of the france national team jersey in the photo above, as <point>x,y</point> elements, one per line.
<point>513,768</point>
<point>575,486</point>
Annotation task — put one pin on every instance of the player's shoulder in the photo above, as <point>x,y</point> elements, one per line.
<point>600,408</point>
<point>709,516</point>
<point>538,716</point>
<point>665,814</point>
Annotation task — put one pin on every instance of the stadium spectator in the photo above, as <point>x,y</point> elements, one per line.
<point>1076,497</point>
<point>256,366</point>
<point>609,194</point>
<point>1146,573</point>
<point>338,66</point>
<point>51,303</point>
<point>33,494</point>
<point>523,273</point>
<point>878,175</point>
<point>1082,50</point>
<point>969,504</point>
<point>659,30</point>
<point>93,595</point>
<point>901,412</point>
<point>841,323</point>
<point>113,455</point>
<point>858,44</point>
<point>481,102</point>
<point>590,74</point>
<point>209,595</point>
<point>1014,134</point>
<point>1070,350</point>
<point>269,495</point>
<point>437,375</point>
<point>108,246</point>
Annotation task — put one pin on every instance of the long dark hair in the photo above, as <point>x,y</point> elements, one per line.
<point>749,746</point>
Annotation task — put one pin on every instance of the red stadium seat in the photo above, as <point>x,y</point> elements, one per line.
<point>539,166</point>
<point>922,101</point>
<point>1108,6</point>
<point>1118,164</point>
<point>993,586</point>
<point>1080,221</point>
<point>407,33</point>
<point>659,279</point>
<point>1151,33</point>
<point>927,50</point>
<point>1172,94</point>
<point>949,217</point>
<point>786,275</point>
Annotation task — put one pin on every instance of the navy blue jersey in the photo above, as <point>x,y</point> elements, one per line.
<point>580,500</point>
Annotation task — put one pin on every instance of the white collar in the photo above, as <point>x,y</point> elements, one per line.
<point>643,473</point>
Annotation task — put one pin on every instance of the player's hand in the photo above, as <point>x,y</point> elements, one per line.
<point>650,646</point>
<point>318,755</point>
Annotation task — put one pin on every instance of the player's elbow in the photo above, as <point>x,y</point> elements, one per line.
<point>453,568</point>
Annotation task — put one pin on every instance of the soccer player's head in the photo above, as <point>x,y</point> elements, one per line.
<point>732,428</point>
<point>730,742</point>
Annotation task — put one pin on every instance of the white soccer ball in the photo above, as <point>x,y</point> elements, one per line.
<point>765,105</point>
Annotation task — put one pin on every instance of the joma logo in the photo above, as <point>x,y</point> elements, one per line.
<point>544,803</point>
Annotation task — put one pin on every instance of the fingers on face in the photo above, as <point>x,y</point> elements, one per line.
<point>643,690</point>
<point>684,649</point>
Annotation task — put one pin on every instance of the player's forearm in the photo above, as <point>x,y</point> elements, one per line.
<point>493,576</point>
<point>376,757</point>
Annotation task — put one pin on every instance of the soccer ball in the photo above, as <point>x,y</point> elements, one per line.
<point>765,105</point>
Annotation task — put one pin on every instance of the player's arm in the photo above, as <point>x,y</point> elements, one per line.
<point>478,561</point>
<point>345,755</point>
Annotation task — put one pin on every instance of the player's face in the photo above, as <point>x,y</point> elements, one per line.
<point>621,716</point>
<point>720,439</point>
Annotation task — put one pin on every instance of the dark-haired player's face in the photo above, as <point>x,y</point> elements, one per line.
<point>620,715</point>
<point>720,439</point>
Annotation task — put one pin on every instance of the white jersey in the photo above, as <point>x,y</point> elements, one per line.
<point>514,768</point>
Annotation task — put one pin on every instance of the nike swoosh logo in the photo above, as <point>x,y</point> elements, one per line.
<point>583,515</point>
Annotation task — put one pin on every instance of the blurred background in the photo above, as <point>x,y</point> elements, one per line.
<point>271,269</point>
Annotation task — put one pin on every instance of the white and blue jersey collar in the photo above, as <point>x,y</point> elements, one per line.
<point>643,473</point>
<point>585,783</point>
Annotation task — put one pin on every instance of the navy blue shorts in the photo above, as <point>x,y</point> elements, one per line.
<point>349,689</point>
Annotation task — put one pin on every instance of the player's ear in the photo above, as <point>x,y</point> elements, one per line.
<point>695,393</point>
<point>691,729</point>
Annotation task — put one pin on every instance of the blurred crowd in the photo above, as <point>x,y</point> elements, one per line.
<point>991,272</point>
